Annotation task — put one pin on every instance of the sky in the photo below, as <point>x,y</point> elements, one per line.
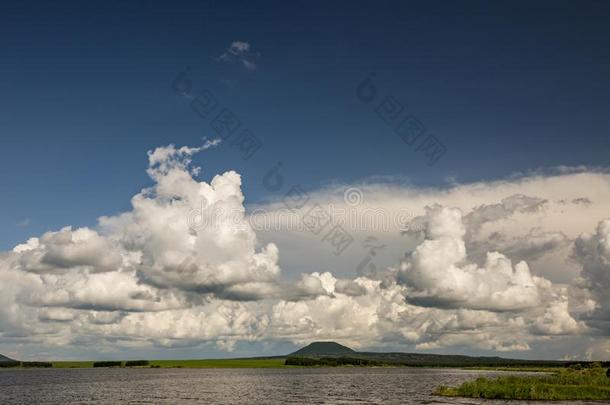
<point>458,152</point>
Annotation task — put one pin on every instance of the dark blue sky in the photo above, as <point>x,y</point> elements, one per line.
<point>85,91</point>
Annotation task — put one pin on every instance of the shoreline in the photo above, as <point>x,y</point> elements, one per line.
<point>276,363</point>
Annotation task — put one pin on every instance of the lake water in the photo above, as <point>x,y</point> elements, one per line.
<point>234,386</point>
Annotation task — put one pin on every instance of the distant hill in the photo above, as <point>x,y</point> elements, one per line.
<point>324,349</point>
<point>4,359</point>
<point>323,353</point>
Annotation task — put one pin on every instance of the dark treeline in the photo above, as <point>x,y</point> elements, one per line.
<point>329,361</point>
<point>107,364</point>
<point>136,363</point>
<point>437,360</point>
<point>44,364</point>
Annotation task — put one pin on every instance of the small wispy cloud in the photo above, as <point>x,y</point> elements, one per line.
<point>240,52</point>
<point>210,143</point>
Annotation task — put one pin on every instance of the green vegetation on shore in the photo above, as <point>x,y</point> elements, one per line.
<point>107,364</point>
<point>527,369</point>
<point>330,361</point>
<point>572,383</point>
<point>72,364</point>
<point>221,363</point>
<point>137,363</point>
<point>207,363</point>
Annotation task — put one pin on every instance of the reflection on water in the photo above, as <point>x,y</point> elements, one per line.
<point>230,386</point>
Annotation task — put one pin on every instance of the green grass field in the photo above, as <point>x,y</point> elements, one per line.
<point>565,384</point>
<point>207,363</point>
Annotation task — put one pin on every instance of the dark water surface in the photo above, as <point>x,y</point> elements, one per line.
<point>234,386</point>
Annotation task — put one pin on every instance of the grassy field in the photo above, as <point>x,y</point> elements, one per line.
<point>565,384</point>
<point>207,363</point>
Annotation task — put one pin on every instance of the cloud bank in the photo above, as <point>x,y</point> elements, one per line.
<point>500,266</point>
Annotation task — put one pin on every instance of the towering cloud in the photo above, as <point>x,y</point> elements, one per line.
<point>437,272</point>
<point>592,251</point>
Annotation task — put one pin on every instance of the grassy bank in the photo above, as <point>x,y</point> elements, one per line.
<point>566,384</point>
